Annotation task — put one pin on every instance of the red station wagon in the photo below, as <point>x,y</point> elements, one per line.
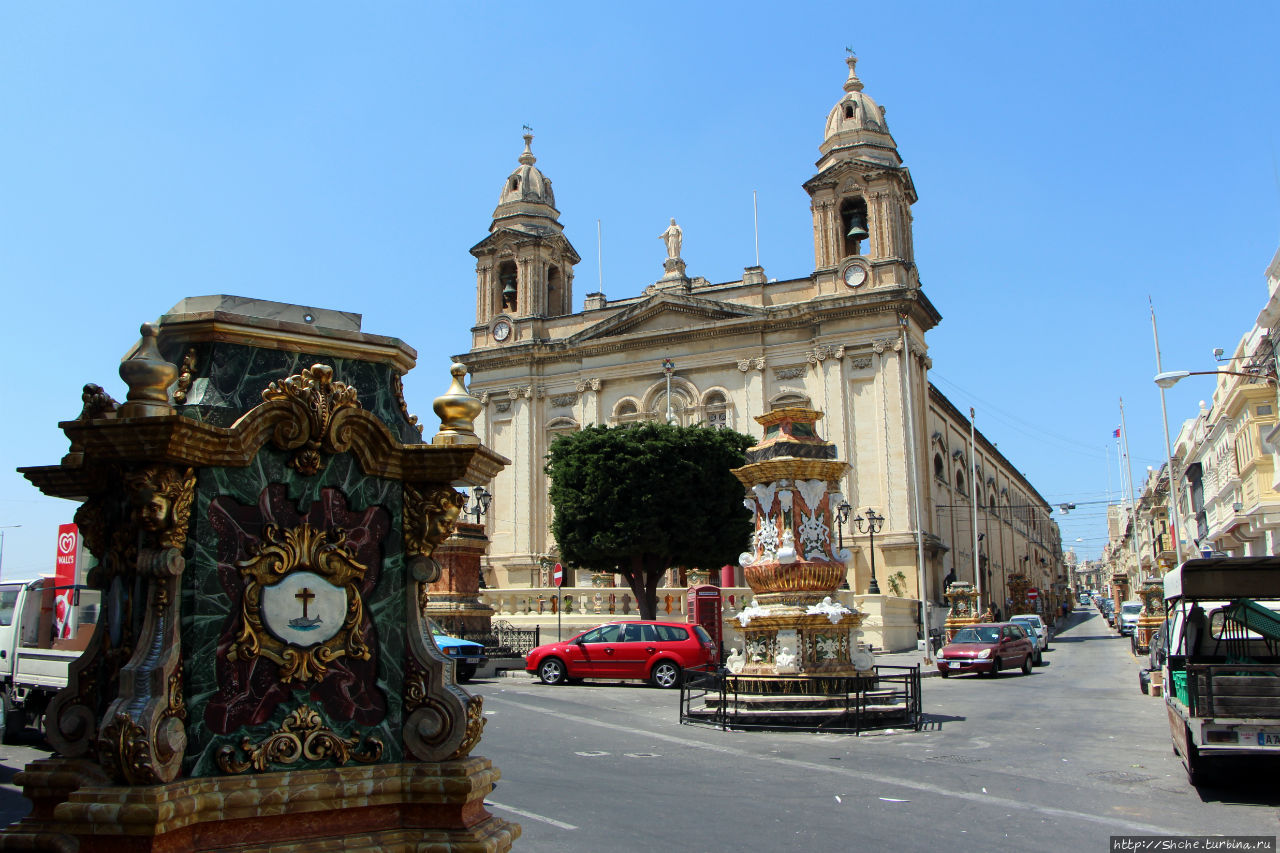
<point>987,648</point>
<point>653,651</point>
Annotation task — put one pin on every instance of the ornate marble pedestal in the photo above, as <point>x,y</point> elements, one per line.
<point>262,521</point>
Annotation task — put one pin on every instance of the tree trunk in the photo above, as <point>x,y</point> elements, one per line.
<point>643,577</point>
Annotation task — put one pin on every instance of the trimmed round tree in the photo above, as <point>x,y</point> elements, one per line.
<point>642,498</point>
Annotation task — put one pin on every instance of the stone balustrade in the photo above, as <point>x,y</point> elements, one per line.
<point>890,622</point>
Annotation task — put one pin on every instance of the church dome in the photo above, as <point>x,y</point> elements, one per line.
<point>526,190</point>
<point>857,121</point>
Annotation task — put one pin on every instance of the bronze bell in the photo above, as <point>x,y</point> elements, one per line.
<point>858,226</point>
<point>508,288</point>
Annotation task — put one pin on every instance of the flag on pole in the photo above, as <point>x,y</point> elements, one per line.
<point>1117,432</point>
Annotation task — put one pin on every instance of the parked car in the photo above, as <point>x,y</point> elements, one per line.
<point>1129,612</point>
<point>654,651</point>
<point>1038,637</point>
<point>1034,619</point>
<point>468,655</point>
<point>43,629</point>
<point>988,648</point>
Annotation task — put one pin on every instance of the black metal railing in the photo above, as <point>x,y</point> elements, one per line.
<point>889,697</point>
<point>504,640</point>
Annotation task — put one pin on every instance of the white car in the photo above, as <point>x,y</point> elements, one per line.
<point>1034,619</point>
<point>1130,611</point>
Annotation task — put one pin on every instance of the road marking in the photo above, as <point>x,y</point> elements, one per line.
<point>925,787</point>
<point>559,824</point>
<point>594,753</point>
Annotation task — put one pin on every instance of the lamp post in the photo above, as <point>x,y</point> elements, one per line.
<point>871,524</point>
<point>3,528</point>
<point>479,504</point>
<point>668,367</point>
<point>842,516</point>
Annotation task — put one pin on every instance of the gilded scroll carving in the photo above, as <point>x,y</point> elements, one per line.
<point>436,711</point>
<point>397,386</point>
<point>186,375</point>
<point>475,725</point>
<point>143,739</point>
<point>320,405</point>
<point>302,736</point>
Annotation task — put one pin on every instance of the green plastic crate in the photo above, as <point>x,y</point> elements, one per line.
<point>1180,686</point>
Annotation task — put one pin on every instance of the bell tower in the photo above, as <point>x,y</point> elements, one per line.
<point>524,268</point>
<point>861,198</point>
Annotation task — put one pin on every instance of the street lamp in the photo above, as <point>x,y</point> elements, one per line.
<point>1170,378</point>
<point>3,528</point>
<point>668,367</point>
<point>842,516</point>
<point>871,524</point>
<point>479,505</point>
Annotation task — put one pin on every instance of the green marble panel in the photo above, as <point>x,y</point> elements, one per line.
<point>209,613</point>
<point>229,379</point>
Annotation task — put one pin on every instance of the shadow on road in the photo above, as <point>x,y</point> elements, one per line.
<point>933,722</point>
<point>1241,786</point>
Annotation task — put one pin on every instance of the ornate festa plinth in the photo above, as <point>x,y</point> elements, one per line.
<point>1152,615</point>
<point>262,520</point>
<point>963,610</point>
<point>1019,586</point>
<point>794,626</point>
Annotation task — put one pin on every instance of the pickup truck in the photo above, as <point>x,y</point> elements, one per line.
<point>1221,639</point>
<point>41,633</point>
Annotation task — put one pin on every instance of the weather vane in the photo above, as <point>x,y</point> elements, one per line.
<point>849,51</point>
<point>527,129</point>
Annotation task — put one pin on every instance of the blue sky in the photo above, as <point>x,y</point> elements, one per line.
<point>1071,160</point>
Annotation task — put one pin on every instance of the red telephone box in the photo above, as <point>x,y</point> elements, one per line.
<point>703,607</point>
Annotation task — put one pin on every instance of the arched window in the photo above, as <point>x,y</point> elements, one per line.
<point>788,400</point>
<point>507,282</point>
<point>626,412</point>
<point>939,467</point>
<point>853,225</point>
<point>960,482</point>
<point>717,410</point>
<point>679,405</point>
<point>555,297</point>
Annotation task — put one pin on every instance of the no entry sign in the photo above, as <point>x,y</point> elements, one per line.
<point>559,575</point>
<point>1033,594</point>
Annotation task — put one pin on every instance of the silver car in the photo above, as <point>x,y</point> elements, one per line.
<point>1038,637</point>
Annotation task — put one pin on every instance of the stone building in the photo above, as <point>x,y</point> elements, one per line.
<point>848,339</point>
<point>1227,458</point>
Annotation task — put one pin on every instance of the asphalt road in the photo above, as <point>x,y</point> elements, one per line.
<point>1058,760</point>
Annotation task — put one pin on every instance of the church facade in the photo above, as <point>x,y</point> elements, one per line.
<point>848,339</point>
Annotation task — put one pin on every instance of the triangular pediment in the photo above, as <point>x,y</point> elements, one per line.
<point>665,312</point>
<point>510,237</point>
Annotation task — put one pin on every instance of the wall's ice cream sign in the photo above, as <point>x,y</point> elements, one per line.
<point>65,578</point>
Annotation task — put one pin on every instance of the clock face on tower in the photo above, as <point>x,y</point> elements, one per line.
<point>501,331</point>
<point>855,275</point>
